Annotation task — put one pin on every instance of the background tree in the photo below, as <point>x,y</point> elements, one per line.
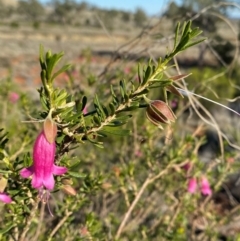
<point>63,11</point>
<point>140,17</point>
<point>32,9</point>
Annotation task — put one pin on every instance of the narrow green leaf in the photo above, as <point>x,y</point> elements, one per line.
<point>182,44</point>
<point>139,75</point>
<point>114,131</point>
<point>99,108</point>
<point>63,69</point>
<point>96,120</point>
<point>112,91</point>
<point>96,143</point>
<point>105,111</point>
<point>76,174</point>
<point>122,91</point>
<point>124,117</point>
<point>193,43</point>
<point>195,32</point>
<point>116,123</point>
<point>186,29</point>
<point>41,57</point>
<point>176,35</point>
<point>143,92</point>
<point>147,74</point>
<point>112,108</point>
<point>7,228</point>
<point>52,63</point>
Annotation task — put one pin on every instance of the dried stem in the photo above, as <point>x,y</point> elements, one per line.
<point>29,220</point>
<point>148,181</point>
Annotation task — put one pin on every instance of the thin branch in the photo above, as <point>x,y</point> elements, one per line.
<point>29,221</point>
<point>63,220</point>
<point>148,181</point>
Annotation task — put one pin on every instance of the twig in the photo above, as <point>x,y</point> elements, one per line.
<point>29,220</point>
<point>59,225</point>
<point>40,222</point>
<point>148,181</point>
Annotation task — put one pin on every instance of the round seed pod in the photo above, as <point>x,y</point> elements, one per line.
<point>159,112</point>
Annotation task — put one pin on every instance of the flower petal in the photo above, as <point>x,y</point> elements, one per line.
<point>192,185</point>
<point>57,170</point>
<point>48,182</point>
<point>37,181</point>
<point>205,186</point>
<point>5,198</point>
<point>26,172</point>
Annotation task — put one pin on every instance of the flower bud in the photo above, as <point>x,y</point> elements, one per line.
<point>66,181</point>
<point>50,130</point>
<point>192,185</point>
<point>205,186</point>
<point>3,183</point>
<point>159,112</point>
<point>69,190</point>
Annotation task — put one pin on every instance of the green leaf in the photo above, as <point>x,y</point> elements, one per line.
<point>186,29</point>
<point>99,108</point>
<point>53,60</point>
<point>195,32</point>
<point>112,91</point>
<point>76,174</point>
<point>96,143</point>
<point>176,35</point>
<point>4,171</point>
<point>193,43</point>
<point>112,108</point>
<point>60,97</point>
<point>41,57</point>
<point>44,102</point>
<point>139,75</point>
<point>147,74</point>
<point>27,160</point>
<point>114,131</point>
<point>120,120</point>
<point>7,228</point>
<point>123,117</point>
<point>96,120</point>
<point>182,44</point>
<point>63,69</point>
<point>143,92</point>
<point>105,111</point>
<point>60,139</point>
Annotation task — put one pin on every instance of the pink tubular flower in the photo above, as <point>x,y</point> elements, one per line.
<point>205,186</point>
<point>43,167</point>
<point>5,198</point>
<point>13,97</point>
<point>192,185</point>
<point>85,111</point>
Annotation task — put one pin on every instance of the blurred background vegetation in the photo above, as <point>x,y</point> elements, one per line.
<point>105,46</point>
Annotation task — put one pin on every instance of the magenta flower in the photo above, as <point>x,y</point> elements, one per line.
<point>85,110</point>
<point>13,97</point>
<point>205,186</point>
<point>192,185</point>
<point>5,198</point>
<point>43,167</point>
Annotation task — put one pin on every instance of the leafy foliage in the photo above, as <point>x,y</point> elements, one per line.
<point>134,186</point>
